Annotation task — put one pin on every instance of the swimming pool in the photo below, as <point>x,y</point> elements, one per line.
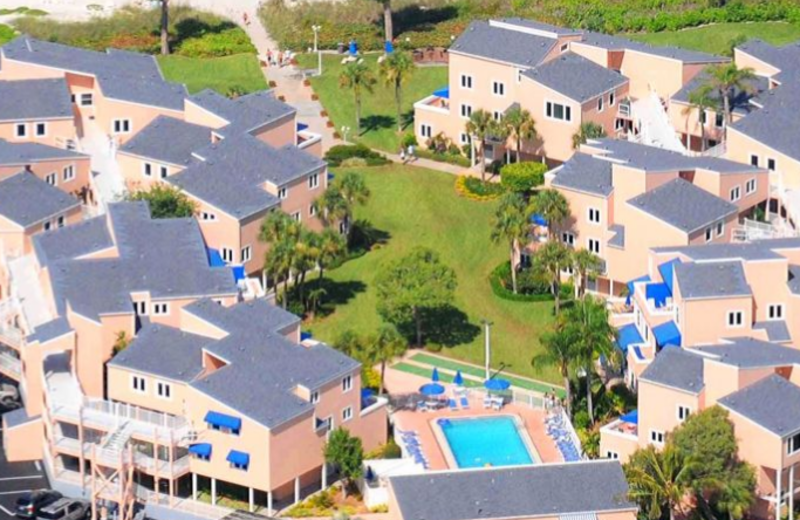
<point>485,441</point>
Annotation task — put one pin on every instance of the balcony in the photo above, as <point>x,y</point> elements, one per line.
<point>620,428</point>
<point>10,365</point>
<point>437,102</point>
<point>624,110</point>
<point>305,137</point>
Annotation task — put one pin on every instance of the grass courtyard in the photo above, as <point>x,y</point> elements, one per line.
<point>378,112</point>
<point>240,71</point>
<point>419,207</point>
<point>716,38</point>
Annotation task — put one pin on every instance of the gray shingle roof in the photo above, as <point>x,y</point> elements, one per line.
<point>776,330</point>
<point>35,99</point>
<point>233,172</point>
<point>618,240</point>
<point>18,417</point>
<point>122,75</point>
<point>751,353</point>
<point>513,492</point>
<point>583,172</point>
<point>677,368</point>
<point>79,239</point>
<point>775,125</point>
<point>741,99</point>
<point>519,48</point>
<point>786,57</point>
<point>773,403</point>
<point>169,140</point>
<point>794,279</point>
<point>20,154</point>
<point>50,330</point>
<point>27,200</point>
<point>616,43</point>
<point>711,279</point>
<point>683,205</point>
<point>245,113</point>
<point>576,77</point>
<point>755,250</point>
<point>539,26</point>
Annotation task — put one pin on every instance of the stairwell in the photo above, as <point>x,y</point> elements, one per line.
<point>654,126</point>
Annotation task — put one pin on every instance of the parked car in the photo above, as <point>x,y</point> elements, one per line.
<point>65,509</point>
<point>9,396</point>
<point>30,503</point>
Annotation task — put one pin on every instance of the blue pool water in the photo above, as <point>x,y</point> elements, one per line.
<point>483,441</point>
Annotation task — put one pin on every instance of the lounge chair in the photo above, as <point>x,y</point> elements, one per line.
<point>487,401</point>
<point>452,404</point>
<point>464,402</point>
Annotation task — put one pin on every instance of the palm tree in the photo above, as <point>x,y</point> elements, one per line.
<point>553,257</point>
<point>585,265</point>
<point>330,247</point>
<point>588,130</point>
<point>511,225</point>
<point>558,352</point>
<point>331,206</point>
<point>354,191</point>
<point>165,27</point>
<point>304,259</point>
<point>396,69</point>
<point>358,77</point>
<point>553,206</point>
<point>480,125</point>
<point>279,261</point>
<point>727,79</point>
<point>702,100</point>
<point>659,479</point>
<point>385,346</point>
<point>520,126</point>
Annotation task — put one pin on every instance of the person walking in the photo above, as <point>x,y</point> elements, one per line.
<point>411,156</point>
<point>245,19</point>
<point>270,58</point>
<point>402,154</point>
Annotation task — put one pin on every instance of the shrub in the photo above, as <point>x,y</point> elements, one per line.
<point>214,45</point>
<point>389,450</point>
<point>450,158</point>
<point>354,162</point>
<point>523,176</point>
<point>408,139</point>
<point>476,189</point>
<point>500,280</point>
<point>340,153</point>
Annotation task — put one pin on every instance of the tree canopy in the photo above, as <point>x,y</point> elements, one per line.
<point>346,453</point>
<point>165,201</point>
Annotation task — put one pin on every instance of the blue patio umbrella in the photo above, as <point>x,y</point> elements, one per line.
<point>459,379</point>
<point>353,47</point>
<point>631,417</point>
<point>435,375</point>
<point>388,47</point>
<point>497,385</point>
<point>370,475</point>
<point>431,389</point>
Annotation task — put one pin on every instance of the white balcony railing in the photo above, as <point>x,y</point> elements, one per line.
<point>433,104</point>
<point>10,366</point>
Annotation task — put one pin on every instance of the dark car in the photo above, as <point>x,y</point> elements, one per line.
<point>65,509</point>
<point>29,504</point>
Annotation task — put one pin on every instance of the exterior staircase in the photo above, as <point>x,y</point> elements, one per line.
<point>654,126</point>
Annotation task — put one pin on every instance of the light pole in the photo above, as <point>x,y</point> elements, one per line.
<point>345,131</point>
<point>316,29</point>
<point>487,325</point>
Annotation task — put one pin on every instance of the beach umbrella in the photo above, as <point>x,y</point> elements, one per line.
<point>496,385</point>
<point>459,379</point>
<point>435,375</point>
<point>431,389</point>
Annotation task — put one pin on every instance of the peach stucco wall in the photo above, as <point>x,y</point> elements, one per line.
<point>650,73</point>
<point>20,443</point>
<point>58,131</point>
<point>623,446</point>
<point>705,321</point>
<point>82,168</point>
<point>33,368</point>
<point>658,408</point>
<point>279,133</point>
<point>744,60</point>
<point>740,147</point>
<point>120,389</point>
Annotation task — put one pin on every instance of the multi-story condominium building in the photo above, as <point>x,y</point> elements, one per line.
<point>546,491</point>
<point>563,77</point>
<point>67,169</point>
<point>36,111</point>
<point>702,294</point>
<point>754,380</point>
<point>626,198</point>
<point>146,379</point>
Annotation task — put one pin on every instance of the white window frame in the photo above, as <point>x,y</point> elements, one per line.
<point>600,106</point>
<point>519,76</point>
<point>568,238</point>
<point>147,169</point>
<point>757,161</point>
<point>36,129</point>
<point>247,253</point>
<point>208,216</point>
<point>709,234</point>
<point>425,130</point>
<point>793,440</point>
<point>566,111</point>
<point>163,390</point>
<point>347,383</point>
<point>612,455</point>
<point>312,210</point>
<point>160,309</point>
<point>61,221</point>
<point>497,115</point>
<point>163,172</point>
<point>682,412</point>
<point>590,241</point>
<point>463,138</point>
<point>283,193</point>
<point>720,228</point>
<point>775,312</point>
<point>140,308</point>
<point>736,193</point>
<point>138,384</point>
<point>51,178</point>
<point>612,99</point>
<point>655,435</point>
<point>772,164</point>
<point>68,173</point>
<point>47,225</point>
<point>564,47</point>
<point>466,82</point>
<point>122,123</point>
<point>593,211</point>
<point>297,216</point>
<point>347,414</point>
<point>227,254</point>
<point>313,181</point>
<point>498,88</point>
<point>86,99</point>
<point>731,322</point>
<point>719,120</point>
<point>751,186</point>
<point>465,109</point>
<point>23,127</point>
<point>314,397</point>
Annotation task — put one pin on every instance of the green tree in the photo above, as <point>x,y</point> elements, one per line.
<point>351,344</point>
<point>331,247</point>
<point>585,266</point>
<point>727,79</point>
<point>331,206</point>
<point>553,257</point>
<point>396,69</point>
<point>520,126</point>
<point>281,232</point>
<point>553,206</point>
<point>738,492</point>
<point>702,100</point>
<point>346,453</point>
<point>588,130</point>
<point>121,342</point>
<point>358,77</point>
<point>522,177</point>
<point>165,201</point>
<point>558,351</point>
<point>409,286</point>
<point>658,480</point>
<point>510,225</point>
<point>481,126</point>
<point>386,345</point>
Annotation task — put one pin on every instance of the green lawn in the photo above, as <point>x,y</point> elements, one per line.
<point>240,71</point>
<point>716,38</point>
<point>415,206</point>
<point>7,33</point>
<point>379,115</point>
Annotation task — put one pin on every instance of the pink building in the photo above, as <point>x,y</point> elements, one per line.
<point>36,111</point>
<point>66,169</point>
<point>754,380</point>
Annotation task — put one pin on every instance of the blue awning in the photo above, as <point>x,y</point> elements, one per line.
<point>203,449</point>
<point>658,292</point>
<point>443,92</point>
<point>223,421</point>
<point>353,47</point>
<point>667,334</point>
<point>628,335</point>
<point>238,273</point>
<point>330,176</point>
<point>301,127</point>
<point>666,270</point>
<point>631,417</point>
<point>644,278</point>
<point>239,458</point>
<point>388,47</point>
<point>638,353</point>
<point>435,375</point>
<point>214,258</point>
<point>538,219</point>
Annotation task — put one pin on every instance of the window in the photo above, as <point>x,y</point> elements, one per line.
<point>775,311</point>
<point>247,254</point>
<point>163,172</point>
<point>87,99</point>
<point>41,129</point>
<point>600,104</point>
<point>296,216</point>
<point>519,76</point>
<point>703,117</point>
<point>709,234</point>
<point>208,216</point>
<point>594,215</point>
<point>347,414</point>
<point>594,246</point>
<point>753,159</point>
<point>147,169</point>
<point>611,99</point>
<point>613,455</point>
<point>425,130</point>
<point>558,111</point>
<point>568,238</point>
<point>564,47</point>
<point>282,193</point>
<point>771,165</point>
<point>750,186</point>
<point>21,130</point>
<point>314,397</point>
<point>201,456</point>
<point>735,318</point>
<point>236,465</point>
<point>69,172</point>
<point>163,390</point>
<point>139,384</point>
<point>312,210</point>
<point>47,225</point>
<point>347,383</point>
<point>60,221</point>
<point>313,181</point>
<point>656,437</point>
<point>463,138</point>
<point>51,179</point>
<point>466,81</point>
<point>160,309</point>
<point>498,88</point>
<point>227,254</point>
<point>793,444</point>
<point>683,412</point>
<point>466,111</point>
<point>497,115</point>
<point>122,126</point>
<point>719,121</point>
<point>720,229</point>
<point>140,308</point>
<point>736,193</point>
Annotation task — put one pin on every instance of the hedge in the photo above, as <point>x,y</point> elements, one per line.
<point>342,153</point>
<point>501,291</point>
<point>523,176</point>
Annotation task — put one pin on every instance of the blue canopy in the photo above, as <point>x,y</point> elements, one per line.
<point>666,270</point>
<point>431,389</point>
<point>223,421</point>
<point>667,334</point>
<point>631,417</point>
<point>239,458</point>
<point>644,278</point>
<point>658,292</point>
<point>202,449</point>
<point>538,219</point>
<point>214,258</point>
<point>353,47</point>
<point>435,375</point>
<point>238,273</point>
<point>497,384</point>
<point>388,47</point>
<point>628,335</point>
<point>443,92</point>
<point>305,335</point>
<point>301,127</point>
<point>459,379</point>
